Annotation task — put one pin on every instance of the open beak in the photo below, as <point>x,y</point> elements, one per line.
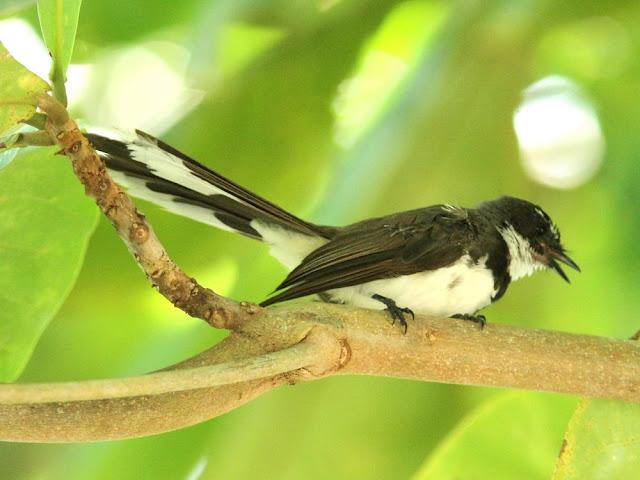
<point>554,257</point>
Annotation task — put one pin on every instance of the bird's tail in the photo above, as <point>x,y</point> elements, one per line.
<point>152,170</point>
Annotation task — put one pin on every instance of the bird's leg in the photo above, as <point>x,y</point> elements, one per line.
<point>479,319</point>
<point>396,312</point>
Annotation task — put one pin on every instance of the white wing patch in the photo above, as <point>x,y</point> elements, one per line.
<point>171,168</point>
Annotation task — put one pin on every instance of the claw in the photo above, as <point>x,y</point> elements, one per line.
<point>396,312</point>
<point>479,319</point>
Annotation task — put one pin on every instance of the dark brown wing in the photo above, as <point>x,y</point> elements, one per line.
<point>399,244</point>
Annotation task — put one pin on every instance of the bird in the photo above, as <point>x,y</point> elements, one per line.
<point>440,260</point>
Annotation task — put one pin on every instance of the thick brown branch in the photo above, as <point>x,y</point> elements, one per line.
<point>286,345</point>
<point>181,290</point>
<point>344,341</point>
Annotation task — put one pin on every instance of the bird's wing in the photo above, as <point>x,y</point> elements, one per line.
<point>384,247</point>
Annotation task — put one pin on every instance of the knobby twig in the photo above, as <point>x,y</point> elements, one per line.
<point>268,348</point>
<point>181,290</point>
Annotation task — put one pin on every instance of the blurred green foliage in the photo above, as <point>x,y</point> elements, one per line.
<point>513,435</point>
<point>282,81</point>
<point>45,226</point>
<point>601,441</point>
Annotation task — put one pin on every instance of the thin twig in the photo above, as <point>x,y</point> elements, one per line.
<point>58,80</point>
<point>27,139</point>
<point>181,290</point>
<point>37,120</point>
<point>236,371</point>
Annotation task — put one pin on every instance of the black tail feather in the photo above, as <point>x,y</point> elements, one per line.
<point>155,171</point>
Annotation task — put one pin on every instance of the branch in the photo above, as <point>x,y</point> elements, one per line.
<point>260,366</point>
<point>310,341</point>
<point>268,348</point>
<point>181,290</point>
<point>37,120</point>
<point>58,80</point>
<point>27,139</point>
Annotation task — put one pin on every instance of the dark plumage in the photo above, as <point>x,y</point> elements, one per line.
<point>440,260</point>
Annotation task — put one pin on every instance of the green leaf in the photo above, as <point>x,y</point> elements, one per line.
<point>601,442</point>
<point>59,21</point>
<point>19,89</point>
<point>514,435</point>
<point>45,225</point>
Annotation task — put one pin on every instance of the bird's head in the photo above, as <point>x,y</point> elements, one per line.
<point>531,236</point>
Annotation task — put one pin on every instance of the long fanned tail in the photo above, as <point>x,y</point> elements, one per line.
<point>152,170</point>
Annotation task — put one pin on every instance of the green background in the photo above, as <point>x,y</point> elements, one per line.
<point>273,77</point>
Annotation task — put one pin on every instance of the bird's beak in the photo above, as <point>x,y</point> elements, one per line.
<point>555,256</point>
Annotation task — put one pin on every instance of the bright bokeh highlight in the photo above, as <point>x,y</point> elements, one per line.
<point>559,135</point>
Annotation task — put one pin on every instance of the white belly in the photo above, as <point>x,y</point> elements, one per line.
<point>463,287</point>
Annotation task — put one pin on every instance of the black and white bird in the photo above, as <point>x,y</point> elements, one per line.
<point>440,260</point>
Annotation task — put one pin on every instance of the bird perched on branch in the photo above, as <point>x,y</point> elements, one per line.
<point>440,260</point>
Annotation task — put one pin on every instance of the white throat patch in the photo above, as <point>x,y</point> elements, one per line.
<point>522,263</point>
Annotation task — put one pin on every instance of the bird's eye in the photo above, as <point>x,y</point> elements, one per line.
<point>540,229</point>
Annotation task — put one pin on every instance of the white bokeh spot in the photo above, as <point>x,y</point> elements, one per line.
<point>559,135</point>
<point>137,87</point>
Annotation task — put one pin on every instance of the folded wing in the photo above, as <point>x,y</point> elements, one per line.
<point>379,248</point>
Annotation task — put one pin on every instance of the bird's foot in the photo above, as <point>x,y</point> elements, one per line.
<point>479,319</point>
<point>396,312</point>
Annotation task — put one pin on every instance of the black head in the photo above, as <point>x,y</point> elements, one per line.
<point>532,237</point>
